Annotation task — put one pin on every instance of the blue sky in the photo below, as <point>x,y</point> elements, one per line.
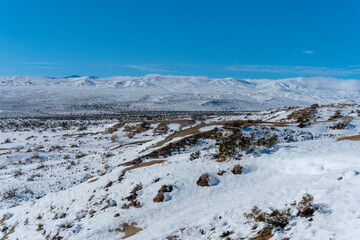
<point>238,38</point>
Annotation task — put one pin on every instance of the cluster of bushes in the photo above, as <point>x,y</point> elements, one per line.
<point>340,125</point>
<point>336,115</point>
<point>281,218</point>
<point>136,129</point>
<point>304,115</point>
<point>195,155</point>
<point>30,123</point>
<point>237,143</point>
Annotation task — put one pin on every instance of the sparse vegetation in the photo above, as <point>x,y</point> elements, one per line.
<point>66,225</point>
<point>195,155</point>
<point>160,197</point>
<point>237,169</point>
<point>304,115</point>
<point>9,194</point>
<point>207,180</point>
<point>132,198</point>
<point>306,207</point>
<point>18,172</point>
<point>237,143</point>
<point>281,217</point>
<point>114,138</point>
<point>336,115</point>
<point>340,125</point>
<point>275,218</point>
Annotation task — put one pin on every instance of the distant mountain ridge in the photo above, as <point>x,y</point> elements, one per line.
<point>160,92</point>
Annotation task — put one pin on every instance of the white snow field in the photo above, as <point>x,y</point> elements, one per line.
<point>41,96</point>
<point>82,179</point>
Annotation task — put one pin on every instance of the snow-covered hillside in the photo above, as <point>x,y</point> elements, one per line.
<point>185,178</point>
<point>39,96</point>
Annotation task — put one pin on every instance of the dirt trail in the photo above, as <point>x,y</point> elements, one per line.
<point>142,164</point>
<point>131,143</point>
<point>351,138</point>
<point>5,153</point>
<point>195,129</point>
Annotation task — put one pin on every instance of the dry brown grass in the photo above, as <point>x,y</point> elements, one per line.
<point>203,180</point>
<point>164,189</point>
<point>350,138</point>
<point>132,198</point>
<point>128,229</point>
<point>81,134</point>
<point>195,130</point>
<point>142,164</point>
<point>114,127</point>
<point>9,232</point>
<point>237,169</point>
<point>6,153</point>
<point>264,234</point>
<point>303,114</point>
<point>132,143</point>
<point>93,180</point>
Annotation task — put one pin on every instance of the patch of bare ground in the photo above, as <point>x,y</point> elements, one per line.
<point>131,143</point>
<point>141,164</point>
<point>303,115</point>
<point>164,189</point>
<point>93,180</point>
<point>132,130</point>
<point>204,180</point>
<point>182,133</point>
<point>233,123</point>
<point>350,138</point>
<point>178,145</point>
<point>162,128</point>
<point>132,198</point>
<point>6,153</point>
<point>226,234</point>
<point>237,169</point>
<point>8,232</point>
<point>264,234</point>
<point>115,127</point>
<point>128,229</point>
<point>82,134</point>
<point>190,136</point>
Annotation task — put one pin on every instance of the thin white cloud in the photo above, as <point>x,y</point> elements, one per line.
<point>149,67</point>
<point>47,67</point>
<point>296,70</point>
<point>40,63</point>
<point>308,52</point>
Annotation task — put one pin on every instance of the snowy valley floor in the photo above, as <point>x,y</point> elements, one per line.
<point>141,179</point>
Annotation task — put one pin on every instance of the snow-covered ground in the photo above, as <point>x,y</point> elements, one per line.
<point>40,96</point>
<point>109,180</point>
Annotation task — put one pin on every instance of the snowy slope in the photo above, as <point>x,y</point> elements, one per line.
<point>85,180</point>
<point>31,96</point>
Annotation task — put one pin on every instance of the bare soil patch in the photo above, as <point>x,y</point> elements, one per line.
<point>128,229</point>
<point>351,138</point>
<point>132,143</point>
<point>164,189</point>
<point>265,234</point>
<point>142,164</point>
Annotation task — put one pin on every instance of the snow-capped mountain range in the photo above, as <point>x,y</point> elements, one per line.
<point>26,95</point>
